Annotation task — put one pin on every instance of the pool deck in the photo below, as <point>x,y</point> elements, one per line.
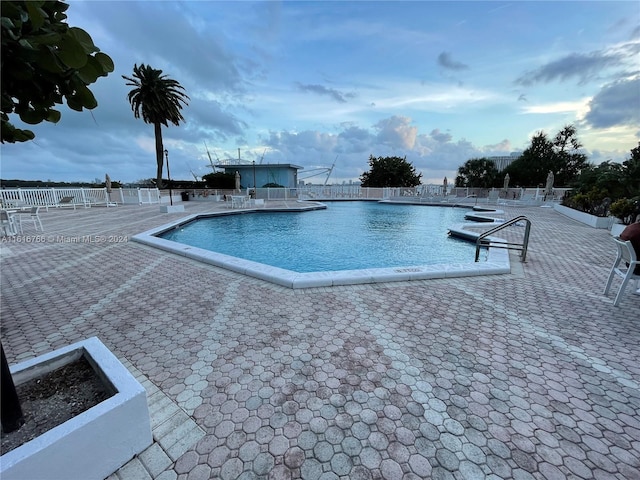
<point>531,374</point>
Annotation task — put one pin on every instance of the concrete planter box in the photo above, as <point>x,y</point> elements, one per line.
<point>582,217</point>
<point>171,208</point>
<point>617,228</point>
<point>95,443</point>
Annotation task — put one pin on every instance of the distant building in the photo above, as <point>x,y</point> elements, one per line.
<point>503,161</point>
<point>284,174</point>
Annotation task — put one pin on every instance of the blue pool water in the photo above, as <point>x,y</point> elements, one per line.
<point>345,236</point>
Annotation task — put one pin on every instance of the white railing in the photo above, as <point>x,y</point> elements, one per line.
<point>141,196</point>
<point>345,192</point>
<point>85,197</point>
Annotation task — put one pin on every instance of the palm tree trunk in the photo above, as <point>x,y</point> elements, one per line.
<point>157,127</point>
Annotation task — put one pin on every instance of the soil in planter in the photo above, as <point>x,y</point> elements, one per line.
<point>53,399</point>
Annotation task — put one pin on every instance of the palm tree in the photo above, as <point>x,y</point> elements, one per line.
<point>159,100</point>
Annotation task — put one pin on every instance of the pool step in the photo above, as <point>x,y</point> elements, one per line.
<point>482,218</point>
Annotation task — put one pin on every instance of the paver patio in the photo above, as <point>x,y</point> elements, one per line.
<point>534,374</point>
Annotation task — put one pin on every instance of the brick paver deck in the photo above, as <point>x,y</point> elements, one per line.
<point>534,374</point>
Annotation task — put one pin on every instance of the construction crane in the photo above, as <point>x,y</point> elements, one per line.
<point>213,167</point>
<point>195,177</point>
<point>320,171</point>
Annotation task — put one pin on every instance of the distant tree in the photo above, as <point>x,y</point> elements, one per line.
<point>608,176</point>
<point>632,172</point>
<point>477,172</point>
<point>568,161</point>
<point>222,181</point>
<point>609,188</point>
<point>390,172</point>
<point>560,155</point>
<point>44,61</point>
<point>533,166</point>
<point>159,100</point>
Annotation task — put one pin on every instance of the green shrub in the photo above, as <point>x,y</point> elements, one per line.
<point>626,209</point>
<point>595,202</point>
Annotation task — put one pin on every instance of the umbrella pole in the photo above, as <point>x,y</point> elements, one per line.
<point>166,156</point>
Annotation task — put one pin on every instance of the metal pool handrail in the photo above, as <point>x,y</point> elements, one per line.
<point>482,241</point>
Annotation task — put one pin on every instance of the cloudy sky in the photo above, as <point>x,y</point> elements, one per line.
<point>313,83</point>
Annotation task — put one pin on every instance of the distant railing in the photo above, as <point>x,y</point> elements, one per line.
<point>85,197</point>
<point>345,192</point>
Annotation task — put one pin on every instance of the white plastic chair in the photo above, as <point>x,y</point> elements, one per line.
<point>10,223</point>
<point>624,267</point>
<point>33,215</point>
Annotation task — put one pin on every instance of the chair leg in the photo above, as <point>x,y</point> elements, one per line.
<point>621,291</point>
<point>36,222</point>
<point>610,280</point>
<point>17,224</point>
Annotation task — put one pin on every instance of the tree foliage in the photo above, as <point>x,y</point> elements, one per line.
<point>631,177</point>
<point>220,180</point>
<point>561,156</point>
<point>390,172</point>
<point>44,61</point>
<point>158,100</point>
<point>477,172</point>
<point>609,188</point>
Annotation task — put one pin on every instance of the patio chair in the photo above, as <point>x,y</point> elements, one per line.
<point>624,266</point>
<point>33,215</point>
<point>10,223</point>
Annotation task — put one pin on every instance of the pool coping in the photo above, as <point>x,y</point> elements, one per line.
<point>497,262</point>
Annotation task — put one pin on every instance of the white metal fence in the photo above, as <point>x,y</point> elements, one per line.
<point>87,197</point>
<point>422,193</point>
<point>78,196</point>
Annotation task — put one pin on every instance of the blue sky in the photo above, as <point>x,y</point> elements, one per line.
<point>311,83</point>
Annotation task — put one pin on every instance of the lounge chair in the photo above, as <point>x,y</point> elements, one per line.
<point>66,202</point>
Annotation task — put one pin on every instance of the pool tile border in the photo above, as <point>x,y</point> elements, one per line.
<point>497,262</point>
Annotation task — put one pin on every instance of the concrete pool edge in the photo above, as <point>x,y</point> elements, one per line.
<point>497,262</point>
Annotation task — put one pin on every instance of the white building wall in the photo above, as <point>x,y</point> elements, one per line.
<point>503,161</point>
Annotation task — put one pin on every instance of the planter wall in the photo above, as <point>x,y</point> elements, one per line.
<point>582,217</point>
<point>617,228</point>
<point>171,208</point>
<point>95,443</point>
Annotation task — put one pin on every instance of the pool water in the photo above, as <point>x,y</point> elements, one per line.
<point>345,236</point>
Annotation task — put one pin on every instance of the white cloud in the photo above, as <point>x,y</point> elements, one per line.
<point>617,103</point>
<point>578,107</point>
<point>312,81</point>
<point>396,132</point>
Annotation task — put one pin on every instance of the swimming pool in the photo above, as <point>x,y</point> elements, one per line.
<point>344,236</point>
<point>361,226</point>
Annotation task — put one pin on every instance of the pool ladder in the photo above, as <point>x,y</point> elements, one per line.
<point>483,241</point>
